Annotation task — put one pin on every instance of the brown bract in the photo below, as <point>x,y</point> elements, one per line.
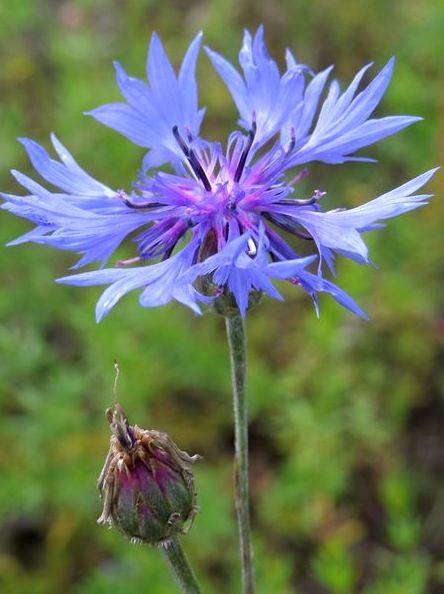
<point>146,483</point>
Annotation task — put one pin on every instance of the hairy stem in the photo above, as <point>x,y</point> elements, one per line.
<point>237,343</point>
<point>180,566</point>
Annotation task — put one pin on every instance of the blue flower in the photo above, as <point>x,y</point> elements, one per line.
<point>210,226</point>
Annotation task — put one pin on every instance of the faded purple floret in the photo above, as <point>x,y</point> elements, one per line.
<point>218,214</point>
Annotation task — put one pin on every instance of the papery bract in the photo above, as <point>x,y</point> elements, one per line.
<point>146,484</point>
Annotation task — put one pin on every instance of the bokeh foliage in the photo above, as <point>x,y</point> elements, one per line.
<point>346,416</point>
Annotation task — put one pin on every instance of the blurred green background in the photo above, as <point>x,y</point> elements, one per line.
<point>346,416</point>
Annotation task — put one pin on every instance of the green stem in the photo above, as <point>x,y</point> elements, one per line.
<point>237,343</point>
<point>180,566</point>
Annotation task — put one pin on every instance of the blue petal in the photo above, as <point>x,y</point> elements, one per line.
<point>342,126</point>
<point>232,267</point>
<point>187,81</point>
<point>220,260</point>
<point>302,117</point>
<point>289,268</point>
<point>264,96</point>
<point>128,121</point>
<point>152,110</point>
<point>88,218</point>
<point>233,80</point>
<point>341,230</point>
<point>159,282</point>
<point>314,283</point>
<point>66,175</point>
<point>368,133</point>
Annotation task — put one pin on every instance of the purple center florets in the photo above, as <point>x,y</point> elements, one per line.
<point>219,215</point>
<point>217,192</point>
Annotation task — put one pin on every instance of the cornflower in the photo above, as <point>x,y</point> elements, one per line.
<point>211,225</point>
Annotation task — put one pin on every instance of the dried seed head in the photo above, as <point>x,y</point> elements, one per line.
<point>146,484</point>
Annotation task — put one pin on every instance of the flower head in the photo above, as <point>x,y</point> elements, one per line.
<point>146,484</point>
<point>218,213</point>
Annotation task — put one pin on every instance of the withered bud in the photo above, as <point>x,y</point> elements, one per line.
<point>146,484</point>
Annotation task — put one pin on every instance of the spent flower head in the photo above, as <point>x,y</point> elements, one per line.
<point>219,212</point>
<point>146,484</point>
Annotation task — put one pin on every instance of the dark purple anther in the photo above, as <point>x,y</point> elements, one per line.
<point>287,224</point>
<point>243,159</point>
<point>192,159</point>
<point>136,205</point>
<point>292,143</point>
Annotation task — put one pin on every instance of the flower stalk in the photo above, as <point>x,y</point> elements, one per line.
<point>237,344</point>
<point>180,566</point>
